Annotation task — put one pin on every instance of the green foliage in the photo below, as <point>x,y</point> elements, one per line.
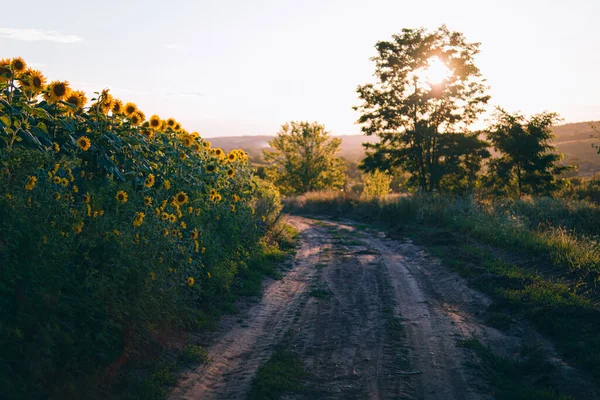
<point>376,184</point>
<point>528,163</point>
<point>283,373</point>
<point>418,121</point>
<point>108,230</point>
<point>303,158</point>
<point>519,378</point>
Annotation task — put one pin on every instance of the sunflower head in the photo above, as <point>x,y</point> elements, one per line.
<point>84,143</point>
<point>171,123</point>
<point>86,198</point>
<point>230,173</point>
<point>150,180</point>
<point>196,146</point>
<point>57,90</point>
<point>33,81</point>
<point>206,144</point>
<point>181,198</point>
<point>155,122</point>
<point>190,281</point>
<point>135,119</point>
<point>121,196</point>
<point>167,184</point>
<point>194,234</point>
<point>165,232</point>
<point>147,133</point>
<point>77,99</point>
<point>232,156</point>
<point>129,109</point>
<point>117,107</point>
<point>147,201</point>
<point>5,71</point>
<point>18,65</point>
<point>218,152</point>
<point>210,168</point>
<point>187,141</point>
<point>177,127</point>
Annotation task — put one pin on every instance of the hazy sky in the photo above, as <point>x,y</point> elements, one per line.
<point>225,67</point>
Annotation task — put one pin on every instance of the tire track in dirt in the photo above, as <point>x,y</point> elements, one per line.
<point>236,355</point>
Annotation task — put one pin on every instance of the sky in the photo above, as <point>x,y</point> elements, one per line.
<point>238,67</point>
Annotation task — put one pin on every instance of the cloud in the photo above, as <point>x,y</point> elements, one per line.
<point>173,46</point>
<point>32,35</point>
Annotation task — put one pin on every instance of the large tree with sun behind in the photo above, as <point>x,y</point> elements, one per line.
<point>428,91</point>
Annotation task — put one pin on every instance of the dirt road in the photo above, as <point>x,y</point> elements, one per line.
<point>370,318</point>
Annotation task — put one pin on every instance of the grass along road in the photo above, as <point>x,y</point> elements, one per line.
<point>362,316</point>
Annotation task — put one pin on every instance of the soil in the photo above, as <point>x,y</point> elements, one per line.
<point>334,308</point>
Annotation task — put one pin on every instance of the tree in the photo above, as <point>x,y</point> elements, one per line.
<point>428,93</point>
<point>528,163</point>
<point>377,184</point>
<point>303,158</point>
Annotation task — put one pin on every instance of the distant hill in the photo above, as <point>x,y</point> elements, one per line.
<point>573,140</point>
<point>351,148</point>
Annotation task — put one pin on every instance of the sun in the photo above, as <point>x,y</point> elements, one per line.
<point>435,72</point>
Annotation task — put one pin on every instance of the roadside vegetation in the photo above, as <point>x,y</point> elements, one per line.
<point>114,227</point>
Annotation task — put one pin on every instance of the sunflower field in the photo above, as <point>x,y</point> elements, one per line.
<point>111,224</point>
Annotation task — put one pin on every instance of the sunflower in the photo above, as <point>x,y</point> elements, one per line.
<point>155,122</point>
<point>136,119</point>
<point>30,183</point>
<point>4,70</point>
<point>33,81</point>
<point>230,173</point>
<point>181,198</point>
<point>183,225</point>
<point>196,146</point>
<point>57,91</point>
<point>213,192</point>
<point>194,234</point>
<point>167,185</point>
<point>190,281</point>
<point>172,218</point>
<point>105,102</point>
<point>121,196</point>
<point>187,141</point>
<point>177,127</point>
<point>232,208</point>
<point>129,109</point>
<point>218,152</point>
<point>142,116</point>
<point>57,196</point>
<point>171,123</point>
<point>147,201</point>
<point>164,216</point>
<point>77,99</point>
<point>18,65</point>
<point>149,180</point>
<point>86,198</point>
<point>232,156</point>
<point>210,168</point>
<point>139,219</point>
<point>56,180</point>
<point>165,232</point>
<point>84,143</point>
<point>117,107</point>
<point>153,275</point>
<point>235,198</point>
<point>207,144</point>
<point>182,156</point>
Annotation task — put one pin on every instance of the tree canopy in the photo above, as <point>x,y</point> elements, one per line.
<point>528,163</point>
<point>422,119</point>
<point>303,159</point>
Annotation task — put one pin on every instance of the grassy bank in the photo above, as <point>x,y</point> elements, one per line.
<point>536,258</point>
